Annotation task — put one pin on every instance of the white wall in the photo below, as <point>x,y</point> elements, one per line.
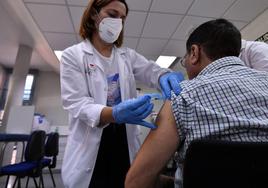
<point>47,99</point>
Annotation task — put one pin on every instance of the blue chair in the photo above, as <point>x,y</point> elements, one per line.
<point>5,139</point>
<point>221,164</point>
<point>51,152</point>
<point>31,166</point>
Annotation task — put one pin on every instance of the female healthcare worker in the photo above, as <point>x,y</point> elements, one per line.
<point>254,54</point>
<point>98,90</point>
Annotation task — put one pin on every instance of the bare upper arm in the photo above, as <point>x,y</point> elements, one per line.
<point>155,152</point>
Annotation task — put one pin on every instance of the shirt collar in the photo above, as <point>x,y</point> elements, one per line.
<point>220,63</point>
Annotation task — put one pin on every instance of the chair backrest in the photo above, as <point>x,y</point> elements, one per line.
<point>52,145</point>
<point>226,164</point>
<point>35,148</point>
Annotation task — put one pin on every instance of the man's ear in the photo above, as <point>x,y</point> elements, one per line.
<point>194,54</point>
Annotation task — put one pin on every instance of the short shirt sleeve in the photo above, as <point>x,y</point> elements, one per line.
<point>177,108</point>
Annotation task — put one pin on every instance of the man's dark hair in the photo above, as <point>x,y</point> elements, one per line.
<point>218,38</point>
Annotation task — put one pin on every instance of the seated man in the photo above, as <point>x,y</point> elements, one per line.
<point>223,100</point>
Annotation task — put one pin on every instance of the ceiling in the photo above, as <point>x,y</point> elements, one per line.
<point>153,27</point>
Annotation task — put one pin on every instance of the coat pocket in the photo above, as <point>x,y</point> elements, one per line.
<point>88,150</point>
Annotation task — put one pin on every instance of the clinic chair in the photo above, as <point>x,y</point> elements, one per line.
<point>31,166</point>
<point>225,164</point>
<point>51,152</point>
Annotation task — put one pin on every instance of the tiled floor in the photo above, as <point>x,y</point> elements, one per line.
<point>47,181</point>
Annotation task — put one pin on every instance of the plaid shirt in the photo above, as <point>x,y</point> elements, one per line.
<point>226,101</point>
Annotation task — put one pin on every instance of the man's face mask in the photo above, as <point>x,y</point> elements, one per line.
<point>110,29</point>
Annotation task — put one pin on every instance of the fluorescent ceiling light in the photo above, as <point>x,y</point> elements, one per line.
<point>165,61</point>
<point>58,54</point>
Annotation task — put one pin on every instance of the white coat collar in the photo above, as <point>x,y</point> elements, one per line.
<point>88,48</point>
<point>243,44</point>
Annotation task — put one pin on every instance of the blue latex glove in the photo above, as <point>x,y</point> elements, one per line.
<point>133,111</point>
<point>171,81</point>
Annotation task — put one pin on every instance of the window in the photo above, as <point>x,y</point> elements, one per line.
<point>4,92</point>
<point>29,89</point>
<point>165,61</point>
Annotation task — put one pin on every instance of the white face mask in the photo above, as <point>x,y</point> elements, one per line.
<point>110,29</point>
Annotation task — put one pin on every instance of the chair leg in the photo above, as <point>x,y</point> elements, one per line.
<point>15,182</point>
<point>42,181</point>
<point>27,182</point>
<point>35,183</point>
<point>51,174</point>
<point>39,183</point>
<point>19,183</point>
<point>7,181</point>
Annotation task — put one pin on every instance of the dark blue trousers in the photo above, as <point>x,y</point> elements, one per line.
<point>113,158</point>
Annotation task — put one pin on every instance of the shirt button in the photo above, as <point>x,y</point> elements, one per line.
<point>88,169</point>
<point>105,89</point>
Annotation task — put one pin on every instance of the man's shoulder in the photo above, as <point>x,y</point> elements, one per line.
<point>225,78</point>
<point>200,81</point>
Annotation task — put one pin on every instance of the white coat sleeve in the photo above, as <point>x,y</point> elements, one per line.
<point>74,92</point>
<point>146,71</point>
<point>258,56</point>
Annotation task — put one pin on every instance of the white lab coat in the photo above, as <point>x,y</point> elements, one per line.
<point>84,95</point>
<point>255,55</point>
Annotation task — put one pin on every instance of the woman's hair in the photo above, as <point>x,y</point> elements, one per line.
<point>87,26</point>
